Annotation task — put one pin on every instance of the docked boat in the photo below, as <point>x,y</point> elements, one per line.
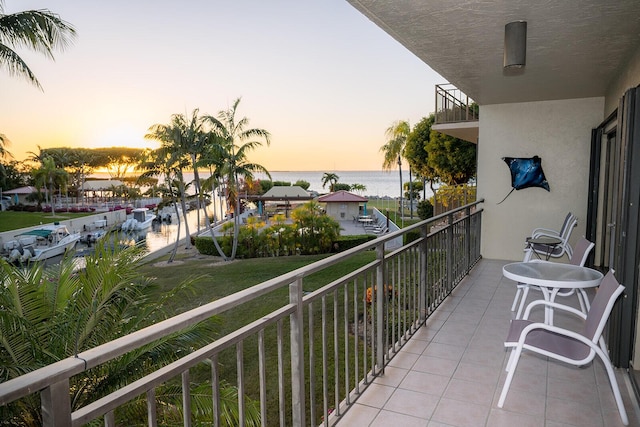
<point>141,220</point>
<point>169,215</point>
<point>44,242</point>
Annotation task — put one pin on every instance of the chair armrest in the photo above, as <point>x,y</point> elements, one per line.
<point>537,232</point>
<point>551,305</point>
<point>551,328</point>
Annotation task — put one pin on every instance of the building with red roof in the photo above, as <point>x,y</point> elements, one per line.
<point>342,205</point>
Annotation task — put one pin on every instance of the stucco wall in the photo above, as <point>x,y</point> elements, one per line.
<point>336,210</point>
<point>628,78</point>
<point>557,131</point>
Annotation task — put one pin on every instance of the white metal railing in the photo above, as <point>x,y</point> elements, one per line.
<point>362,318</point>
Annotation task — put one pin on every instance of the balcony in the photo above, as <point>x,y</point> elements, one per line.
<point>456,114</point>
<point>451,372</point>
<point>414,335</point>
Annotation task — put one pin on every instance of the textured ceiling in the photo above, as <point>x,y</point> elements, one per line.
<point>575,48</point>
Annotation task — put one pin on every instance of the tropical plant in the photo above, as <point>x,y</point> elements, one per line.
<point>359,188</point>
<point>13,174</point>
<point>452,159</point>
<point>50,176</point>
<point>4,141</point>
<point>233,142</point>
<point>425,209</point>
<point>160,162</point>
<point>38,30</point>
<point>412,190</point>
<point>393,149</point>
<point>316,229</point>
<point>302,184</point>
<point>51,313</point>
<point>416,153</point>
<point>338,186</point>
<point>178,140</point>
<point>331,179</point>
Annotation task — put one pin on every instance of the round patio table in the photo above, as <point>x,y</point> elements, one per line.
<point>551,277</point>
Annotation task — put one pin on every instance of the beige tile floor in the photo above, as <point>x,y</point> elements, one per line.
<point>451,372</point>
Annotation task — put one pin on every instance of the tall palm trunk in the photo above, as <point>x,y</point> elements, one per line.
<point>236,221</point>
<point>175,206</point>
<point>196,178</point>
<point>184,213</point>
<point>410,194</point>
<point>53,208</point>
<point>401,201</point>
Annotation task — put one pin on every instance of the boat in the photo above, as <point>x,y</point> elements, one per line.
<point>141,220</point>
<point>92,237</point>
<point>44,242</point>
<point>168,214</point>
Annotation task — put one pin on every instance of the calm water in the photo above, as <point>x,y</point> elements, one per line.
<point>379,183</point>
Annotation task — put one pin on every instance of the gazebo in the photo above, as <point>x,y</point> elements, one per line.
<point>100,185</point>
<point>283,196</point>
<point>342,205</point>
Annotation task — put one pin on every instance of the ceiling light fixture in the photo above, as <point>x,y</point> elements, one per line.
<point>515,44</point>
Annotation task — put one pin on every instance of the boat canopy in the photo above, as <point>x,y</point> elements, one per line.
<point>39,232</point>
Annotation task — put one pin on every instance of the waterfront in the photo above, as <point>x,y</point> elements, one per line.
<point>378,183</point>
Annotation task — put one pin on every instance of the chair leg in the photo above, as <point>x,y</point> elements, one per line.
<point>515,300</point>
<point>614,384</point>
<point>510,361</point>
<point>585,299</point>
<point>511,366</point>
<point>525,292</point>
<point>580,298</point>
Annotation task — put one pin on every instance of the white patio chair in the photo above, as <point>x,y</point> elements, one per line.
<point>574,348</point>
<point>556,251</point>
<point>579,257</point>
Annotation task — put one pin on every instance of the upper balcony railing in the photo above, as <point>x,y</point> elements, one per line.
<point>328,345</point>
<point>452,105</point>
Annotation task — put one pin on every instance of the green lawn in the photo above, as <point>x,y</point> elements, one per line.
<point>13,220</point>
<point>216,279</point>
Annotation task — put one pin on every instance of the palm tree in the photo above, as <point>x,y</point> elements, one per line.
<point>360,188</point>
<point>175,139</point>
<point>233,143</point>
<point>158,163</point>
<point>188,140</point>
<point>50,175</point>
<point>39,30</point>
<point>331,179</point>
<point>4,141</point>
<point>394,148</point>
<point>56,312</point>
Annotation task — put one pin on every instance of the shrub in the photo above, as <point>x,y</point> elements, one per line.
<point>303,184</point>
<point>205,245</point>
<point>411,236</point>
<point>347,242</point>
<point>425,209</point>
<point>339,186</point>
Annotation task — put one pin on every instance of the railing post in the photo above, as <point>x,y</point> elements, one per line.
<point>467,239</point>
<point>379,293</point>
<point>297,354</point>
<point>56,404</point>
<point>422,289</point>
<point>449,250</point>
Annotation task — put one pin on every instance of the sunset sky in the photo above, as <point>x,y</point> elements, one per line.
<point>319,76</point>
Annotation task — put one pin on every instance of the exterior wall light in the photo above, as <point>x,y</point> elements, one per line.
<point>515,44</point>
